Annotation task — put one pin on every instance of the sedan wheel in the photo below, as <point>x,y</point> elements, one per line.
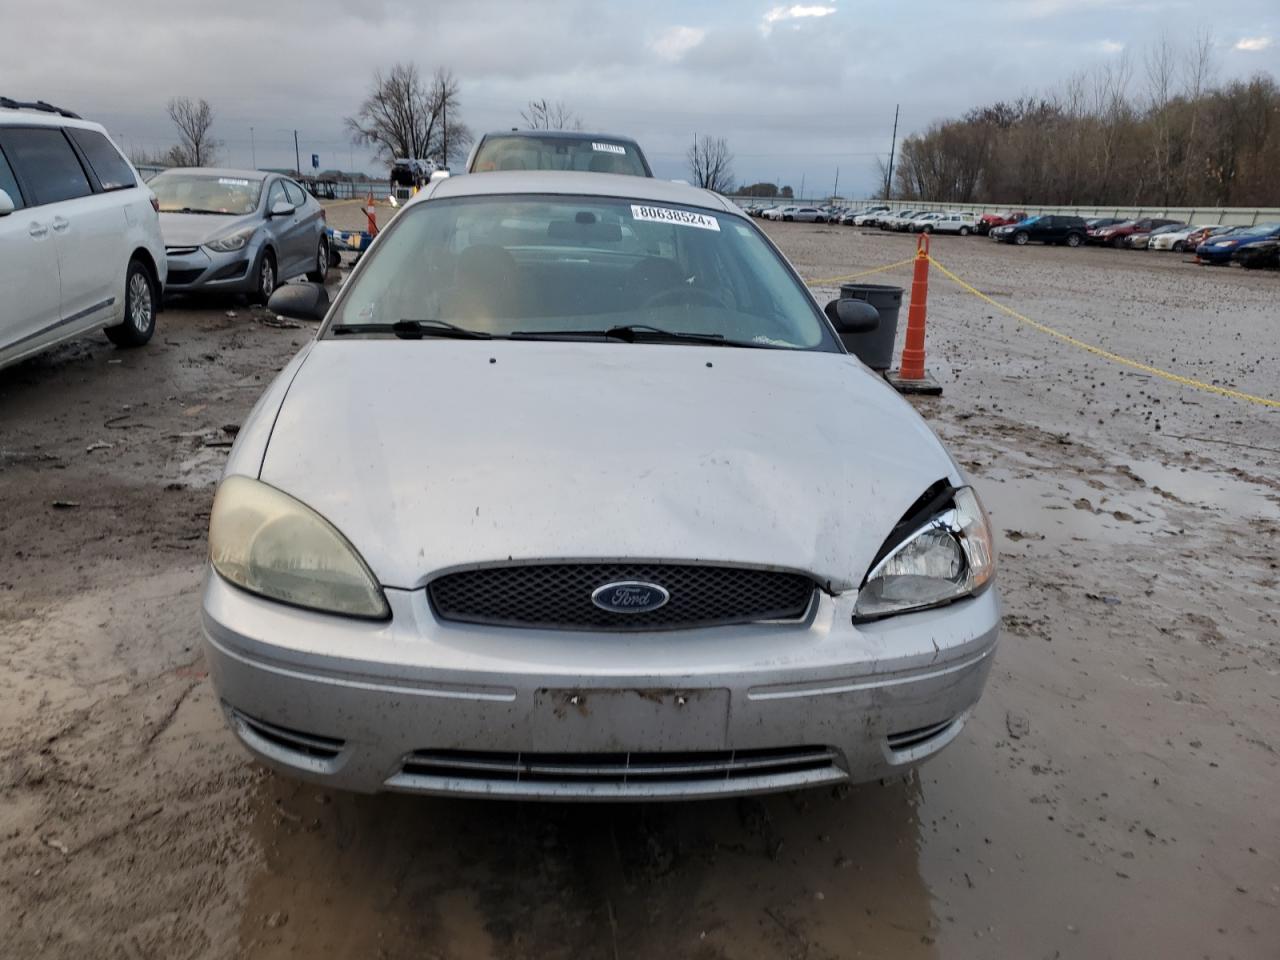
<point>1021,238</point>
<point>322,261</point>
<point>1073,240</point>
<point>964,231</point>
<point>266,276</point>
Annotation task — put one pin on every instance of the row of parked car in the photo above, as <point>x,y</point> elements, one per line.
<point>1253,246</point>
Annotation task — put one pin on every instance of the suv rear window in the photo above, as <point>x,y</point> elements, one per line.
<point>47,164</point>
<point>111,169</point>
<point>558,153</point>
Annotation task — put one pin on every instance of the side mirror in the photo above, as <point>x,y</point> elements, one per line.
<point>300,301</point>
<point>282,209</point>
<point>6,204</point>
<point>851,316</point>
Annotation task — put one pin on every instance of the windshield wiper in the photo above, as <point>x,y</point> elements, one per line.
<point>637,333</point>
<point>215,213</point>
<point>412,330</point>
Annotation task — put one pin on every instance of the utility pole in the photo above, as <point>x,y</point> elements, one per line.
<point>444,130</point>
<point>297,157</point>
<point>835,191</point>
<point>893,146</point>
<point>253,149</point>
<point>801,197</point>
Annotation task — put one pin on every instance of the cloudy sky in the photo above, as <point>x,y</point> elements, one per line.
<point>798,90</point>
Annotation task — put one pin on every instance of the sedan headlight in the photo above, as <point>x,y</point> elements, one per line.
<point>270,544</point>
<point>951,555</point>
<point>232,241</point>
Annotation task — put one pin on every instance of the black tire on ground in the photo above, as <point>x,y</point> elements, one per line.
<point>1118,243</point>
<point>264,278</point>
<point>927,228</point>
<point>1074,240</point>
<point>322,261</point>
<point>1021,238</point>
<point>1179,246</point>
<point>140,299</point>
<point>964,231</point>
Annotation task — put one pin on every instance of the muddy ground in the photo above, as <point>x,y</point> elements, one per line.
<point>1114,794</point>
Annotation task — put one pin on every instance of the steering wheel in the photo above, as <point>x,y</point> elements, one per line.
<point>684,294</point>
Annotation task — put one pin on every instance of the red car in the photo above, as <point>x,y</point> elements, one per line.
<point>989,221</point>
<point>1115,234</point>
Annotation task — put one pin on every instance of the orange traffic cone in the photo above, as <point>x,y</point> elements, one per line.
<point>371,212</point>
<point>911,376</point>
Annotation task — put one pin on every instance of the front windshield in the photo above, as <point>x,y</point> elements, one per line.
<point>558,153</point>
<point>180,192</point>
<point>504,265</point>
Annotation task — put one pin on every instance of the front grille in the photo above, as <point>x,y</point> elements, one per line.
<point>558,596</point>
<point>617,768</point>
<point>183,277</point>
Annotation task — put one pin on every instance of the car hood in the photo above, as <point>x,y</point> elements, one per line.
<point>194,229</point>
<point>429,455</point>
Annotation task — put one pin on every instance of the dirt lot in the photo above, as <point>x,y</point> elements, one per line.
<point>1114,795</point>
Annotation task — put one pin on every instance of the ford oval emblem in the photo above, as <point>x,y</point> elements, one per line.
<point>629,596</point>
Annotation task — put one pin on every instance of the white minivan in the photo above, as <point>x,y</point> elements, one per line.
<point>80,244</point>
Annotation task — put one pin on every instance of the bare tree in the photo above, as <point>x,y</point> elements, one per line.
<point>1161,64</point>
<point>393,117</point>
<point>545,115</point>
<point>403,116</point>
<point>711,164</point>
<point>194,120</point>
<point>447,136</point>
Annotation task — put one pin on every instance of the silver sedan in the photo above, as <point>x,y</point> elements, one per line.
<point>576,494</point>
<point>238,231</point>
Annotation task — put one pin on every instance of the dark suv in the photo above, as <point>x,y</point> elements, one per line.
<point>1048,228</point>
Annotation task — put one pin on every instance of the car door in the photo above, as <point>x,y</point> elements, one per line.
<point>307,233</point>
<point>28,270</point>
<point>87,224</point>
<point>283,231</point>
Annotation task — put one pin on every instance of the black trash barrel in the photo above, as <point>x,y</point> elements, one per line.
<point>875,349</point>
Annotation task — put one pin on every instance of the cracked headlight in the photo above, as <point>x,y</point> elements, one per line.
<point>266,542</point>
<point>232,241</point>
<point>948,556</point>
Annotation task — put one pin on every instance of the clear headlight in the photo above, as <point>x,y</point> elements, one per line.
<point>232,241</point>
<point>950,556</point>
<point>270,544</point>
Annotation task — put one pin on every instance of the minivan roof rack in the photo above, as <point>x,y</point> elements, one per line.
<point>10,104</point>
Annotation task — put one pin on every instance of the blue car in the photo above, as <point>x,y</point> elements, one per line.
<point>1220,249</point>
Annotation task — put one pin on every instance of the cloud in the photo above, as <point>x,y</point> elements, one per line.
<point>674,42</point>
<point>797,11</point>
<point>1253,44</point>
<point>1110,46</point>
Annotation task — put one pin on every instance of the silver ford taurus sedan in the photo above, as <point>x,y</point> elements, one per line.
<point>577,495</point>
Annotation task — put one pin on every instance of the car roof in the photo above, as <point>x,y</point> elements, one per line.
<point>578,183</point>
<point>40,118</point>
<point>224,172</point>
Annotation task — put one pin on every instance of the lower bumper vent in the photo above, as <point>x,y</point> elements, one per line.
<point>618,768</point>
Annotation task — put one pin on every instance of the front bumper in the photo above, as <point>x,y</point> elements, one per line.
<point>199,269</point>
<point>416,704</point>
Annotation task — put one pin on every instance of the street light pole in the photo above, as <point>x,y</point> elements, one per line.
<point>297,157</point>
<point>253,149</point>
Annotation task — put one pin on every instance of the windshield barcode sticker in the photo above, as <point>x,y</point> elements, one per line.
<point>668,215</point>
<point>608,148</point>
<point>232,182</point>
